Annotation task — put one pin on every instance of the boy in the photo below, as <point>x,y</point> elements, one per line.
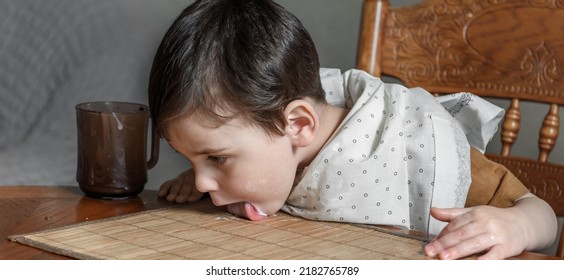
<point>235,87</point>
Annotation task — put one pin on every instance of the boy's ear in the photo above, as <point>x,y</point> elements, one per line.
<point>302,122</point>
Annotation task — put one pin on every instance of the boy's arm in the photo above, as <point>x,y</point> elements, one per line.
<point>540,219</point>
<point>181,189</point>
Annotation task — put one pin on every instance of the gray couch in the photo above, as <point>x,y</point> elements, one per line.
<point>57,53</point>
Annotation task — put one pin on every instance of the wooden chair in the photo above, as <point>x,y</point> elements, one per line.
<point>510,49</point>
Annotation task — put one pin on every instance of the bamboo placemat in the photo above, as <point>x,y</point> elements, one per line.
<point>203,231</point>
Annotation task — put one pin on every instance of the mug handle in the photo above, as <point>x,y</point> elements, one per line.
<point>154,148</point>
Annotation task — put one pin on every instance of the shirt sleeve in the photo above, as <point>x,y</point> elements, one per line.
<point>492,183</point>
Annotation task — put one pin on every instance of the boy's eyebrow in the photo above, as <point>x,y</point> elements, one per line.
<point>207,151</point>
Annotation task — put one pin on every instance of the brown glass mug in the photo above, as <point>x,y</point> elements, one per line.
<point>112,148</point>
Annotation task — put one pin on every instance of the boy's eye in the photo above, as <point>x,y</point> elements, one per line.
<point>219,160</point>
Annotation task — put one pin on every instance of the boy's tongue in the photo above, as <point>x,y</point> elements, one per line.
<point>246,210</point>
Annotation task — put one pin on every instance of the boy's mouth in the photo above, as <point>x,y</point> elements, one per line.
<point>246,210</point>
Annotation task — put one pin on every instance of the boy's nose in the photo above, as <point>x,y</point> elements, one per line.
<point>205,183</point>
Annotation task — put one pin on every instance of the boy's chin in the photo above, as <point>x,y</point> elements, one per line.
<point>246,210</point>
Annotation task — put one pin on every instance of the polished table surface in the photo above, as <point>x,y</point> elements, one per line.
<point>25,209</point>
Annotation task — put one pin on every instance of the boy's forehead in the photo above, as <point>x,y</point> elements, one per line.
<point>190,136</point>
<point>195,129</point>
<point>193,132</point>
<point>203,118</point>
<point>196,124</point>
<point>191,123</point>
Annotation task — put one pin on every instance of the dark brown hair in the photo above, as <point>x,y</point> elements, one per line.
<point>224,59</point>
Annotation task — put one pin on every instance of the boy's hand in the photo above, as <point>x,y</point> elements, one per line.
<point>498,232</point>
<point>181,189</point>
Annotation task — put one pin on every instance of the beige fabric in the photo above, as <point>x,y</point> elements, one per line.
<point>492,183</point>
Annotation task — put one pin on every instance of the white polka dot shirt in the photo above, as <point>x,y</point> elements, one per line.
<point>395,155</point>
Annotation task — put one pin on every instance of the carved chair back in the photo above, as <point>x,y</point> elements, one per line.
<point>508,49</point>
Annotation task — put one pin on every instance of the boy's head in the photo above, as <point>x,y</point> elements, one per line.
<point>227,59</point>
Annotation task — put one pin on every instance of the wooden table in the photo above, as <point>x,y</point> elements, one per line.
<point>25,209</point>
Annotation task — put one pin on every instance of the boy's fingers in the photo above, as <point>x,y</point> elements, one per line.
<point>495,253</point>
<point>181,198</point>
<point>447,214</point>
<point>164,189</point>
<point>173,190</point>
<point>195,195</point>
<point>458,244</point>
<point>188,194</point>
<point>453,216</point>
